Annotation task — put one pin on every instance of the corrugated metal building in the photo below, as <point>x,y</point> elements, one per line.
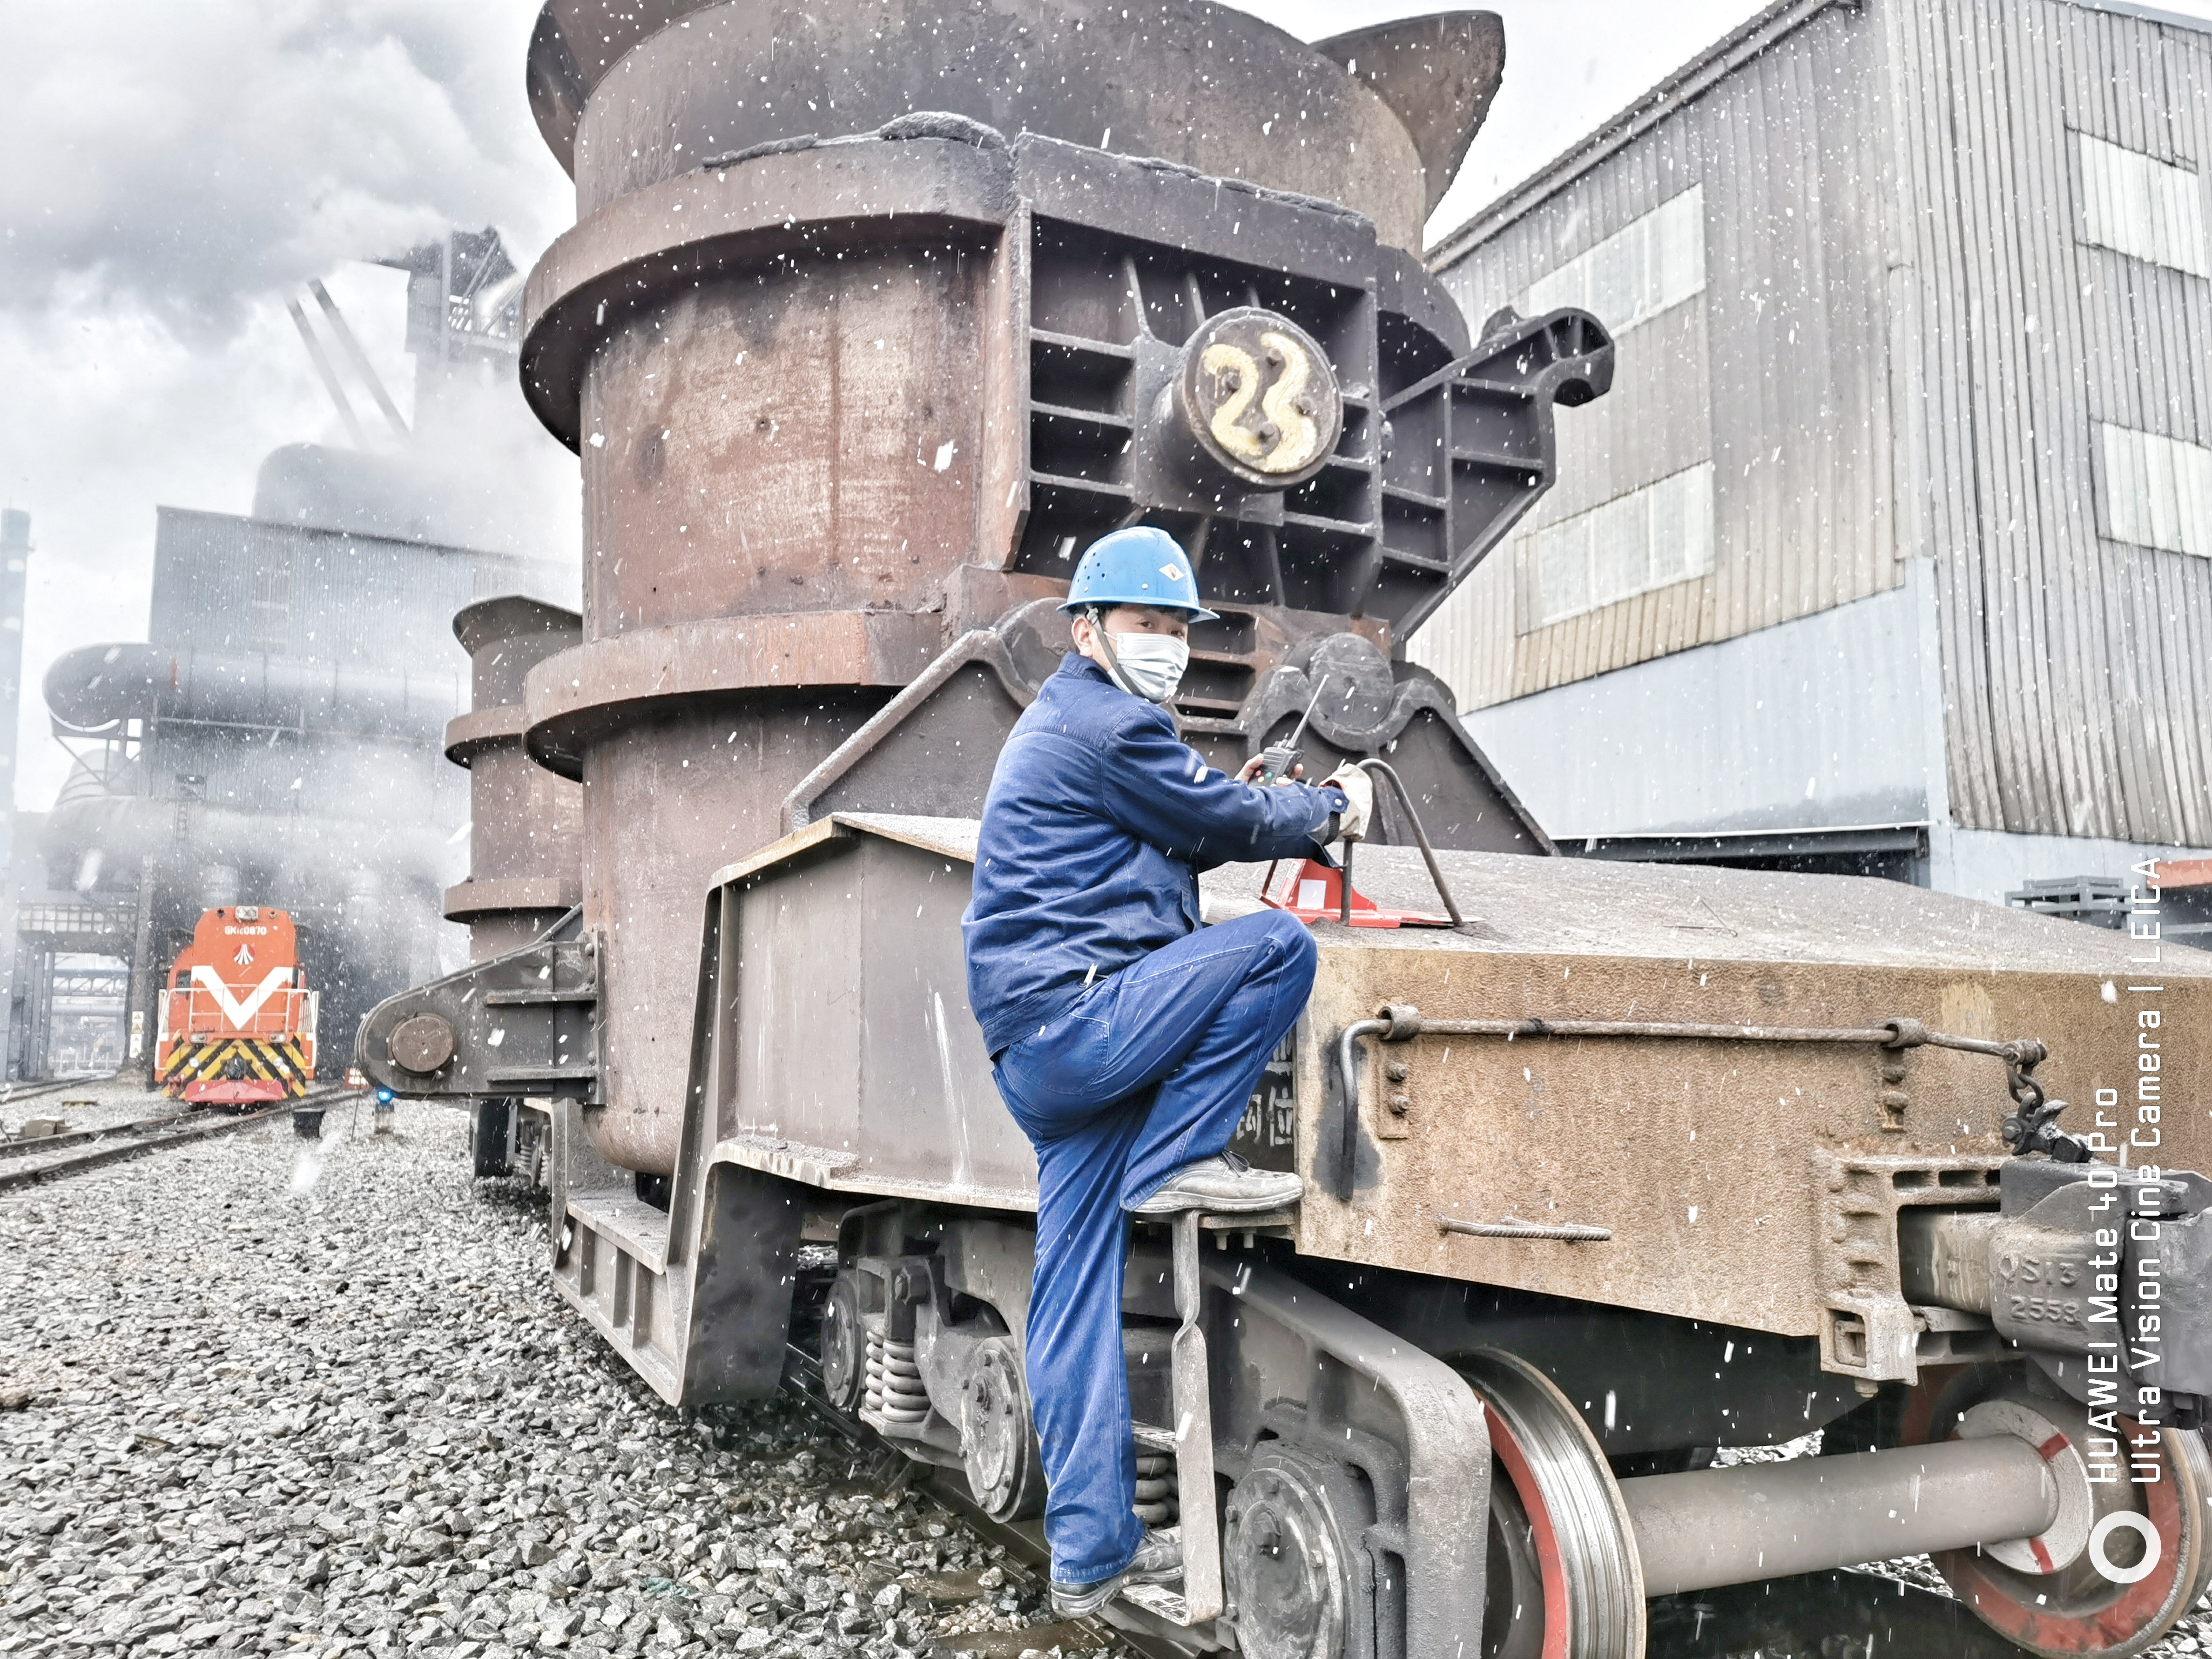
<point>1891,547</point>
<point>225,583</point>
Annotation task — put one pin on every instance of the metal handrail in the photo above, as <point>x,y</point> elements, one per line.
<point>1420,837</point>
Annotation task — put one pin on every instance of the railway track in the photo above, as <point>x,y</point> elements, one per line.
<point>99,1148</point>
<point>15,1094</point>
<point>29,1145</point>
<point>1832,1615</point>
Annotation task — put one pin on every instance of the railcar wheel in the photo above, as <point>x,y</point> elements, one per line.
<point>1293,1523</point>
<point>2049,1594</point>
<point>844,1345</point>
<point>1565,1581</point>
<point>1513,1584</point>
<point>998,1444</point>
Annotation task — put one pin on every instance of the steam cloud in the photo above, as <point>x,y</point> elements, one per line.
<point>190,160</point>
<point>178,170</point>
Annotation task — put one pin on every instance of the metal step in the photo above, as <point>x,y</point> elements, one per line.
<point>632,1224</point>
<point>1191,1440</point>
<point>1160,1602</point>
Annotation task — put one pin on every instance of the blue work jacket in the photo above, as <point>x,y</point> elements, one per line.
<point>1098,821</point>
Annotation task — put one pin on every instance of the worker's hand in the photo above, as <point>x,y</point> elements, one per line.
<point>1250,774</point>
<point>1359,800</point>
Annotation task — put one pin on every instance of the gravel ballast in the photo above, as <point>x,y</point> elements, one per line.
<point>90,1103</point>
<point>267,1395</point>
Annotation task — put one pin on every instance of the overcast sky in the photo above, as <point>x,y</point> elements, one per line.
<point>175,172</point>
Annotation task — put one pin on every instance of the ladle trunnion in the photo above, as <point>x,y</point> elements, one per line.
<point>873,319</point>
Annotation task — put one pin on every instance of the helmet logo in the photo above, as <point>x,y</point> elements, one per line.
<point>1173,572</point>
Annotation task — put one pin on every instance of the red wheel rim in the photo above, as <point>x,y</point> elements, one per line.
<point>1506,1454</point>
<point>2137,1608</point>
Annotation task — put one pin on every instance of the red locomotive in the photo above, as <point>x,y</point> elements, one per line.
<point>238,1021</point>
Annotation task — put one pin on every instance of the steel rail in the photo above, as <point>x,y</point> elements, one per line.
<point>13,1092</point>
<point>27,1146</point>
<point>186,1133</point>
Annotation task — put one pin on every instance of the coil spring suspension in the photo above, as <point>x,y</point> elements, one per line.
<point>895,1391</point>
<point>1159,1499</point>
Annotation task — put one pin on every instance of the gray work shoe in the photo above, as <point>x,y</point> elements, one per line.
<point>1158,1560</point>
<point>1227,1185</point>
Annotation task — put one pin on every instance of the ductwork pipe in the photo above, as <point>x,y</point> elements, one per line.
<point>1735,1526</point>
<point>99,684</point>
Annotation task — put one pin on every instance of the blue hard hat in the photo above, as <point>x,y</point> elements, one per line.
<point>1141,565</point>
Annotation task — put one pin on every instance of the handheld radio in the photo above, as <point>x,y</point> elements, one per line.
<point>1279,760</point>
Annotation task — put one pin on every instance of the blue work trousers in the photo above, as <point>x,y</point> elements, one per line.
<point>1149,1071</point>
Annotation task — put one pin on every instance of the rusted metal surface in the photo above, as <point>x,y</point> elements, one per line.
<point>852,392</point>
<point>422,1043</point>
<point>652,822</point>
<point>525,848</point>
<point>781,437</point>
<point>1512,1226</point>
<point>2026,1128</point>
<point>784,216</point>
<point>852,384</point>
<point>1199,85</point>
<point>1700,1156</point>
<point>832,1046</point>
<point>599,689</point>
<point>1437,74</point>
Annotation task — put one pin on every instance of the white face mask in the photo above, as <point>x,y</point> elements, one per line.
<point>1152,664</point>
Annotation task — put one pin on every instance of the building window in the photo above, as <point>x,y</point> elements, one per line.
<point>271,614</point>
<point>2158,492</point>
<point>2134,205</point>
<point>1629,278</point>
<point>1650,537</point>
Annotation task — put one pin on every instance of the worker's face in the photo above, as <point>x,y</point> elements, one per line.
<point>1130,619</point>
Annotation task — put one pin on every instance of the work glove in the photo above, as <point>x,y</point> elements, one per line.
<point>1358,800</point>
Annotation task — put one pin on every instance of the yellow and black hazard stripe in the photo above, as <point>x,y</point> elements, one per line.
<point>265,1059</point>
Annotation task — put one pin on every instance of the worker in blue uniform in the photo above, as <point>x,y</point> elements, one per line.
<point>1125,1040</point>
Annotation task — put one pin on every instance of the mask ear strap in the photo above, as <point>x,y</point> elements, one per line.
<point>1113,663</point>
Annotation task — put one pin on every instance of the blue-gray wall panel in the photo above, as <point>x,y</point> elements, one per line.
<point>1749,733</point>
<point>1777,371</point>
